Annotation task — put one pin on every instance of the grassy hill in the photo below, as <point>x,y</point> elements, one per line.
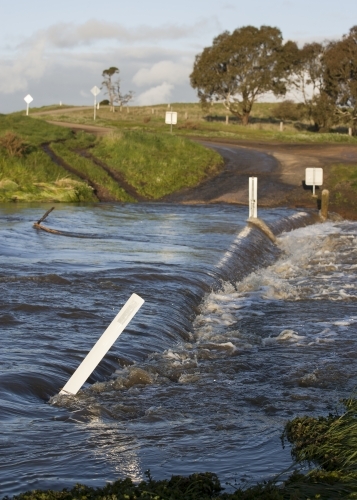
<point>44,162</point>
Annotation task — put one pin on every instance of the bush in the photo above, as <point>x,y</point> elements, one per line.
<point>14,144</point>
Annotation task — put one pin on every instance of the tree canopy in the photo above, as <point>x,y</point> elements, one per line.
<point>241,66</point>
<point>113,91</point>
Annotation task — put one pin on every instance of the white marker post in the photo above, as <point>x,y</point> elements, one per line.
<point>28,99</point>
<point>313,177</point>
<point>171,118</point>
<point>95,91</point>
<point>253,197</point>
<point>105,342</point>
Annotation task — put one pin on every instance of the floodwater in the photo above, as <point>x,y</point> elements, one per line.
<point>236,336</point>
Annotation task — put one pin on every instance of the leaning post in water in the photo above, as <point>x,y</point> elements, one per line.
<point>102,346</point>
<point>253,197</point>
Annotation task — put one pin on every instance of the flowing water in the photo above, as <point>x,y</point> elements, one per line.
<point>236,336</point>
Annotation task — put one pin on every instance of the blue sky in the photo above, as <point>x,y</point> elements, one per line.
<point>56,51</point>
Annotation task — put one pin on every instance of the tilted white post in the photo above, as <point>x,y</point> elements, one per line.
<point>253,197</point>
<point>100,349</point>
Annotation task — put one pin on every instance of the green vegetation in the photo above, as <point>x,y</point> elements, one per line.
<point>156,164</point>
<point>264,125</point>
<point>44,162</point>
<point>342,184</point>
<point>241,66</point>
<point>95,174</point>
<point>249,62</point>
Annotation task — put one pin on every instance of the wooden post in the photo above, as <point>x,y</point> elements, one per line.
<point>324,203</point>
<point>281,126</point>
<point>350,131</point>
<point>186,115</point>
<point>227,119</point>
<point>152,111</point>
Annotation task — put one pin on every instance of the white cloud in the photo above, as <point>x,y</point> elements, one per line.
<point>163,71</point>
<point>51,67</point>
<point>156,95</point>
<point>66,35</point>
<point>16,73</point>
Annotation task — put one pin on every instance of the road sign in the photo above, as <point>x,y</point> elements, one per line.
<point>313,177</point>
<point>95,90</point>
<point>28,99</point>
<point>171,118</point>
<point>105,342</point>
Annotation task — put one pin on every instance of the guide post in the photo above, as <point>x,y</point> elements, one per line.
<point>105,342</point>
<point>95,91</point>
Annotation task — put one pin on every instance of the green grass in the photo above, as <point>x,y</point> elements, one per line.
<point>86,167</point>
<point>157,164</point>
<point>154,164</point>
<point>35,132</point>
<point>193,121</point>
<point>33,176</point>
<point>37,178</point>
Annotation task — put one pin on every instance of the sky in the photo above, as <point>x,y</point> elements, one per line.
<point>56,51</point>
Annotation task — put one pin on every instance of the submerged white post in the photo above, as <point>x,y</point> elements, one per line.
<point>105,342</point>
<point>253,197</point>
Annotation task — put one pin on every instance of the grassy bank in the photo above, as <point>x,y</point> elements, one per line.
<point>326,444</point>
<point>157,164</point>
<point>132,164</point>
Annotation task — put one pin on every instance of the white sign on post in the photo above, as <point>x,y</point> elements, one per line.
<point>171,118</point>
<point>28,99</point>
<point>105,342</point>
<point>95,91</point>
<point>313,177</point>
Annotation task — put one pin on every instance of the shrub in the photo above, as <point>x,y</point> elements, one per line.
<point>14,144</point>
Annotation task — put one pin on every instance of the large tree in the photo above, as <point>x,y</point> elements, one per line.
<point>340,76</point>
<point>113,88</point>
<point>241,66</point>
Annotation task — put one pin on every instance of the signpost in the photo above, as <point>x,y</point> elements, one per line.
<point>28,99</point>
<point>95,91</point>
<point>313,177</point>
<point>171,118</point>
<point>105,342</point>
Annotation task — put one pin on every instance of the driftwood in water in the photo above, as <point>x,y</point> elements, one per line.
<point>47,229</point>
<point>45,216</point>
<point>38,225</point>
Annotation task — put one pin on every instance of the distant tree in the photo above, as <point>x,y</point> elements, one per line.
<point>241,66</point>
<point>340,76</point>
<point>288,110</point>
<point>308,75</point>
<point>113,88</point>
